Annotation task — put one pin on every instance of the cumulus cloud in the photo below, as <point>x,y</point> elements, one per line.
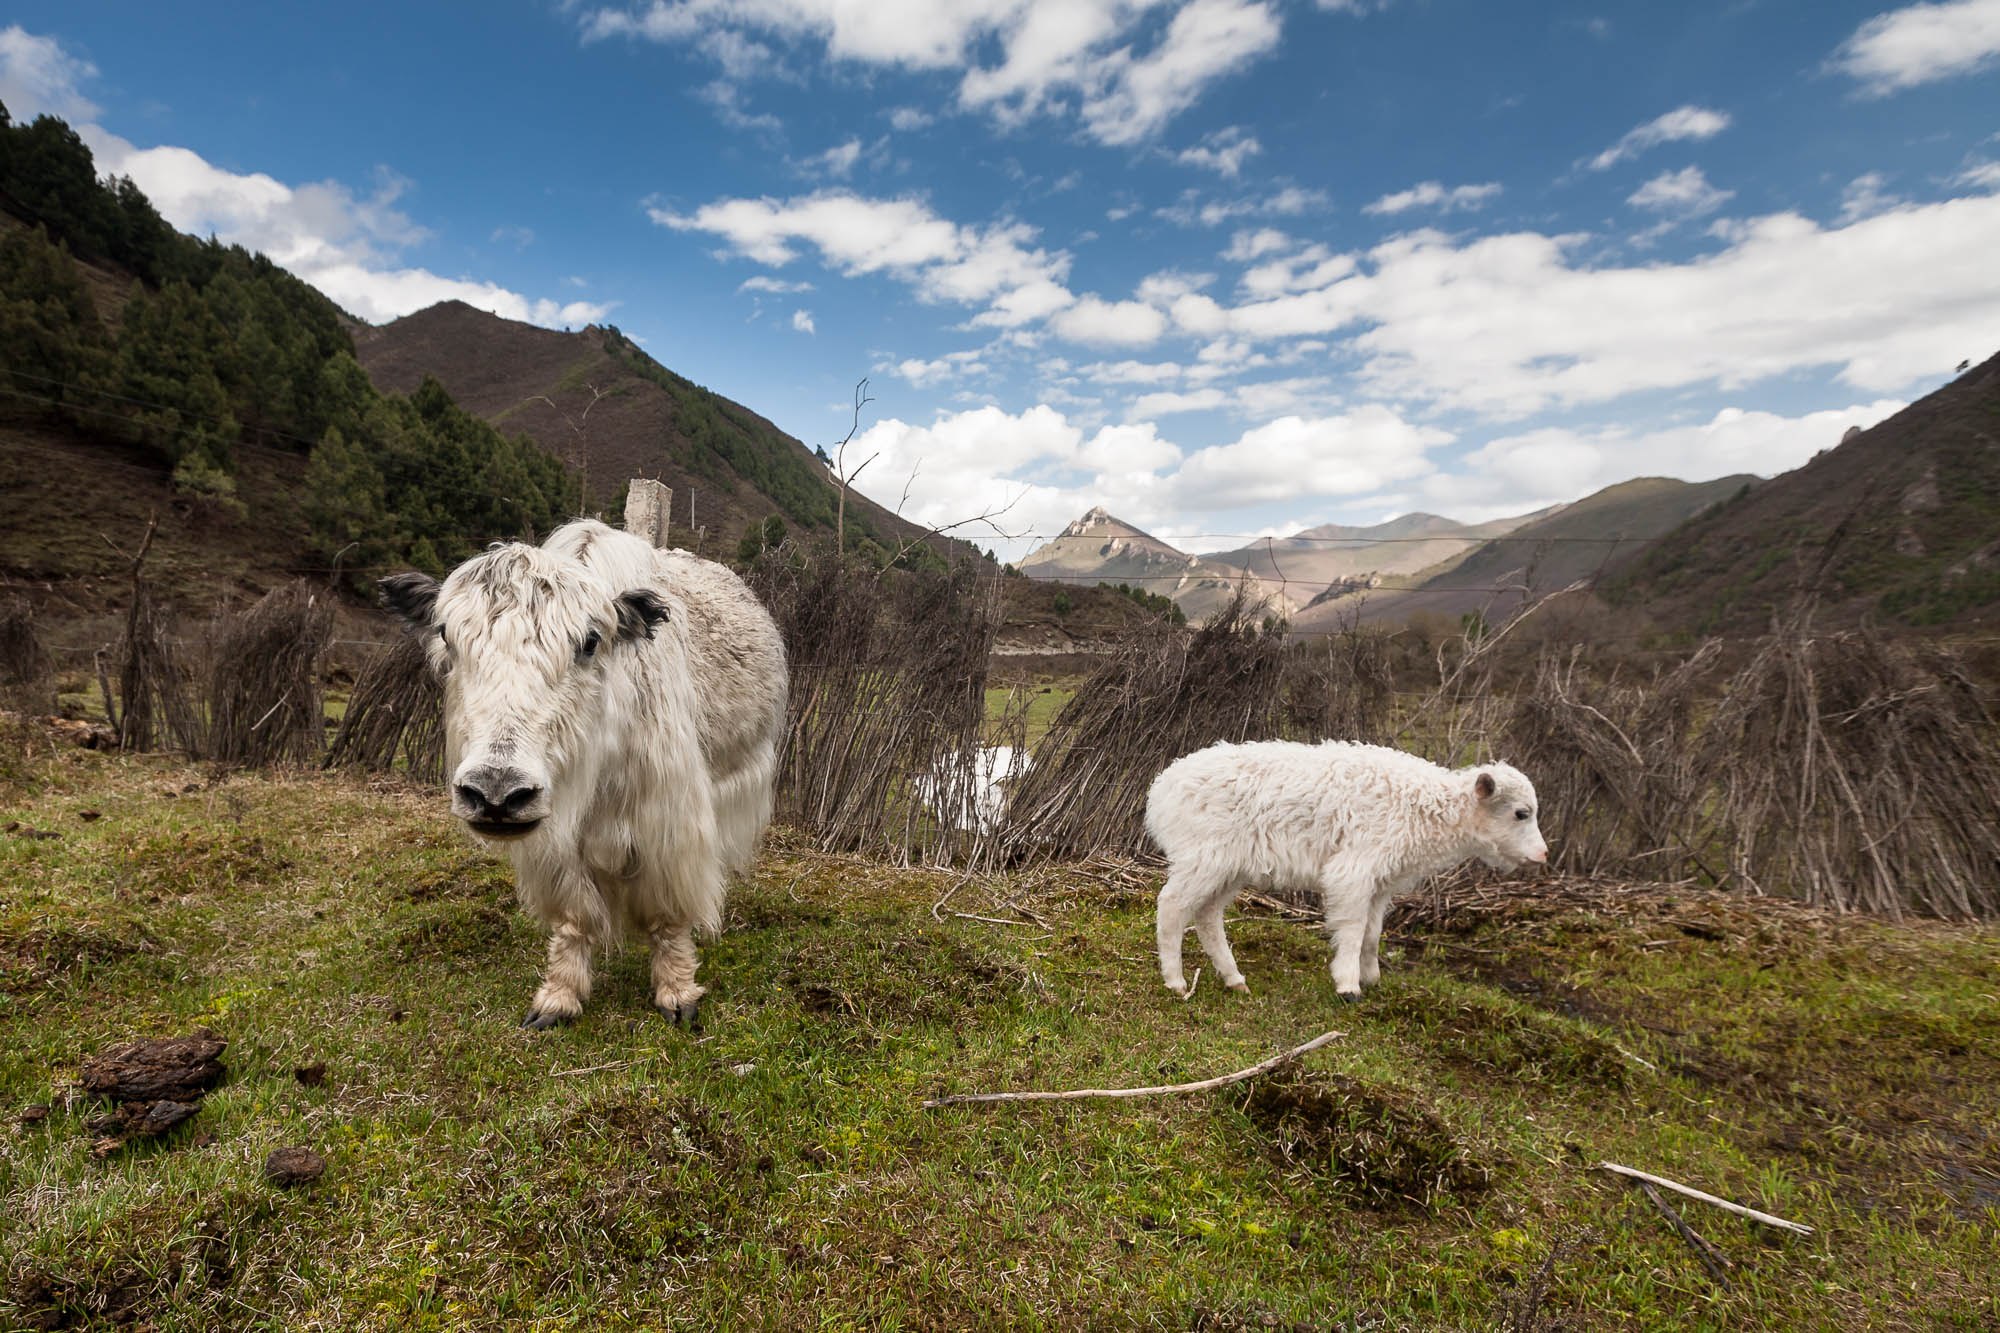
<point>802,322</point>
<point>1679,125</point>
<point>344,243</point>
<point>1685,193</point>
<point>772,286</point>
<point>1093,320</point>
<point>905,119</point>
<point>1089,57</point>
<point>1433,194</point>
<point>1350,454</point>
<point>1513,324</point>
<point>1921,44</point>
<point>38,77</point>
<point>996,267</point>
<point>1516,473</point>
<point>1224,151</point>
<point>1291,201</point>
<point>1866,196</point>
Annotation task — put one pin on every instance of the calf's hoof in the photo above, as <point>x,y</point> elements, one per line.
<point>1349,997</point>
<point>686,1014</point>
<point>541,1020</point>
<point>1240,986</point>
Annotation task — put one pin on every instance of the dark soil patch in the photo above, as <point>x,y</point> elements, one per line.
<point>40,957</point>
<point>1503,1037</point>
<point>1384,1146</point>
<point>454,931</point>
<point>179,864</point>
<point>899,974</point>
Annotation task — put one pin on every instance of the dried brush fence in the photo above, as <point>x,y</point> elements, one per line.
<point>157,707</point>
<point>888,677</point>
<point>1856,771</point>
<point>395,716</point>
<point>263,679</point>
<point>1172,692</point>
<point>27,676</point>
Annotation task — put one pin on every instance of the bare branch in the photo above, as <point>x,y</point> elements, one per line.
<point>1221,1081</point>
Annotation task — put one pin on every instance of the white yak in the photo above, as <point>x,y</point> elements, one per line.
<point>612,720</point>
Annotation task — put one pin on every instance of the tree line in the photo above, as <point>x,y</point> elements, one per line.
<point>216,350</point>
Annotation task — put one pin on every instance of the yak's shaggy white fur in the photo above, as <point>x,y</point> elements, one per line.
<point>1359,823</point>
<point>612,721</point>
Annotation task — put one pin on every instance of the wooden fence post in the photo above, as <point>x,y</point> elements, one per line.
<point>646,506</point>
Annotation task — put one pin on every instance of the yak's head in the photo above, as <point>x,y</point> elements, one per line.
<point>524,641</point>
<point>1502,817</point>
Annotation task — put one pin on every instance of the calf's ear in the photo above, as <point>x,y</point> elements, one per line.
<point>1482,786</point>
<point>638,611</point>
<point>412,596</point>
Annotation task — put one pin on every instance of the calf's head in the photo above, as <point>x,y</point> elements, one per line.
<point>1503,817</point>
<point>524,641</point>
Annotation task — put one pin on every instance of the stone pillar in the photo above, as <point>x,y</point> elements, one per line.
<point>646,506</point>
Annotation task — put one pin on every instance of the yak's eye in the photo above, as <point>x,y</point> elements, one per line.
<point>1521,814</point>
<point>441,638</point>
<point>590,642</point>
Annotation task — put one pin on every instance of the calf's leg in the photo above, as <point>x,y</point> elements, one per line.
<point>1180,898</point>
<point>1214,942</point>
<point>1348,909</point>
<point>1371,944</point>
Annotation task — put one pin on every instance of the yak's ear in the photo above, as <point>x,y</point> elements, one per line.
<point>412,596</point>
<point>638,611</point>
<point>1482,786</point>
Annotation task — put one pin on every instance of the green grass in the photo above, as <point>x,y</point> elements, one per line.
<point>1043,703</point>
<point>776,1168</point>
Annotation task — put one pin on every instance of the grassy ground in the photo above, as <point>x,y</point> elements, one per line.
<point>775,1169</point>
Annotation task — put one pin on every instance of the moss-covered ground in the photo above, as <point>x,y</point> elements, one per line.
<point>776,1169</point>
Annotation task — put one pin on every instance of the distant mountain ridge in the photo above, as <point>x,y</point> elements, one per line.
<point>596,400</point>
<point>1555,549</point>
<point>1899,522</point>
<point>1101,548</point>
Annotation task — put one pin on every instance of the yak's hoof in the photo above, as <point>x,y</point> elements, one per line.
<point>541,1020</point>
<point>1349,997</point>
<point>686,1015</point>
<point>1240,986</point>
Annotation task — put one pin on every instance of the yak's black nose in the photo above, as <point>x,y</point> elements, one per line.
<point>496,794</point>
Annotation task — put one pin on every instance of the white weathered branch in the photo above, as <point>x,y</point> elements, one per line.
<point>1204,1085</point>
<point>1737,1208</point>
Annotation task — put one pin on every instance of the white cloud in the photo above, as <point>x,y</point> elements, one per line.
<point>838,160</point>
<point>1680,124</point>
<point>1171,402</point>
<point>802,322</point>
<point>1865,197</point>
<point>1920,44</point>
<point>772,286</point>
<point>995,266</point>
<point>923,373</point>
<point>1684,193</point>
<point>1515,473</point>
<point>1510,325</point>
<point>1294,457</point>
<point>1093,320</point>
<point>905,119</point>
<point>38,77</point>
<point>1245,246</point>
<point>1291,201</point>
<point>1224,151</point>
<point>1433,194</point>
<point>1055,56</point>
<point>1979,176</point>
<point>345,244</point>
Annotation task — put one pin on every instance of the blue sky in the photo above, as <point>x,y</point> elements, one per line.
<point>1224,266</point>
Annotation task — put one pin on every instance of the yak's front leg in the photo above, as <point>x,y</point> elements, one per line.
<point>675,991</point>
<point>566,984</point>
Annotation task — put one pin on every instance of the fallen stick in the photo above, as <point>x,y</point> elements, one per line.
<point>1710,1257</point>
<point>1724,1204</point>
<point>1221,1081</point>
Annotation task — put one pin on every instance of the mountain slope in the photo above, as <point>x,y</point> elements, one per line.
<point>595,399</point>
<point>1099,548</point>
<point>1307,564</point>
<point>1901,520</point>
<point>1575,542</point>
